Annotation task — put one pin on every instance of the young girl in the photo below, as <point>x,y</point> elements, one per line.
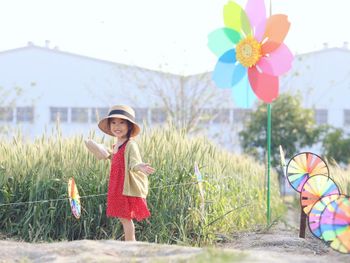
<point>128,182</point>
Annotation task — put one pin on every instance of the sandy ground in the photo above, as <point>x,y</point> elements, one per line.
<point>281,243</point>
<point>93,251</point>
<point>278,244</point>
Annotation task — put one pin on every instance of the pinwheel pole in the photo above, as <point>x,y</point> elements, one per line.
<point>268,209</point>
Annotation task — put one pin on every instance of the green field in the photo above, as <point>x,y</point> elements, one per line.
<point>234,201</point>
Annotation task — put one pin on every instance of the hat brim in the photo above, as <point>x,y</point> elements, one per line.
<point>103,125</point>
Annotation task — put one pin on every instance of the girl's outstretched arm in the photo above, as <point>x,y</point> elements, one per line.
<point>145,168</point>
<point>136,162</point>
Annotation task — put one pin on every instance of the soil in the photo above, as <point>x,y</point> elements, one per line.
<point>280,243</point>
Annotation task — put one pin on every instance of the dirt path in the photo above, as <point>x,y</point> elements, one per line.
<point>93,251</point>
<point>279,244</point>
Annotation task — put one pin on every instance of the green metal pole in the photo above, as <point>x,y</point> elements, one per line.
<point>268,212</point>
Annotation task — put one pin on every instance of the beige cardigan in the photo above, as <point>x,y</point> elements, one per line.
<point>135,181</point>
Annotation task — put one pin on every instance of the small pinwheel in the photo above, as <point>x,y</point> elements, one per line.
<point>74,198</point>
<point>251,52</point>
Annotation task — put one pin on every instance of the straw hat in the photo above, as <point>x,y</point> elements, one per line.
<point>122,112</point>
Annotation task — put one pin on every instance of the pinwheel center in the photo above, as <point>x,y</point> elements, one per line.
<point>248,51</point>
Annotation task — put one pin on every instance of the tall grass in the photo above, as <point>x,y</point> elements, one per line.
<point>39,170</point>
<point>341,176</point>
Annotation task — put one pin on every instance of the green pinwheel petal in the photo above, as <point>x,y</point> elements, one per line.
<point>236,18</point>
<point>222,39</point>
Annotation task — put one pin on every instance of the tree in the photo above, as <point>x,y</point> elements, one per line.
<point>8,99</point>
<point>293,127</point>
<point>187,101</point>
<point>336,146</point>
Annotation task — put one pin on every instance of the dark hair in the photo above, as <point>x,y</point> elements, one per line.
<point>129,123</point>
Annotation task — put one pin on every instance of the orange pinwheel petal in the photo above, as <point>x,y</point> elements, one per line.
<point>277,27</point>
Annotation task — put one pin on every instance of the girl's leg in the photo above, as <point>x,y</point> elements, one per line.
<point>129,229</point>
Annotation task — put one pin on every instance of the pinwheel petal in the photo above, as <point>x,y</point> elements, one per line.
<point>236,18</point>
<point>278,63</point>
<point>277,27</point>
<point>242,93</point>
<point>224,68</point>
<point>222,75</point>
<point>227,72</point>
<point>260,30</point>
<point>228,57</point>
<point>222,39</point>
<point>238,74</point>
<point>256,13</point>
<point>264,86</point>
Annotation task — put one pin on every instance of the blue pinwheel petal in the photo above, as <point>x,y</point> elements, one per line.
<point>224,69</point>
<point>243,95</point>
<point>228,57</point>
<point>238,74</point>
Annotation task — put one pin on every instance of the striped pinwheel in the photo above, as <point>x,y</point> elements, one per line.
<point>251,52</point>
<point>314,189</point>
<point>335,224</point>
<point>304,165</point>
<point>317,209</point>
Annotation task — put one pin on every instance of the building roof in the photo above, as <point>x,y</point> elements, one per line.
<point>56,50</point>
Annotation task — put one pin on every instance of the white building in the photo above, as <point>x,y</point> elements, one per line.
<point>80,89</point>
<point>38,84</point>
<point>323,80</point>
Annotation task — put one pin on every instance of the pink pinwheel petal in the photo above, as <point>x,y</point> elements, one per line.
<point>264,86</point>
<point>277,27</point>
<point>260,30</point>
<point>256,12</point>
<point>278,62</point>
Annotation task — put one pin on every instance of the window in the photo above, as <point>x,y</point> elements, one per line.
<point>158,115</point>
<point>346,117</point>
<point>98,113</point>
<point>221,116</point>
<point>58,114</point>
<point>80,115</point>
<point>241,115</point>
<point>206,116</point>
<point>6,114</point>
<point>141,114</point>
<point>25,114</point>
<point>321,116</point>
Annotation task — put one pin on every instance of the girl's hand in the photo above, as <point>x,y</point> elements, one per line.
<point>145,168</point>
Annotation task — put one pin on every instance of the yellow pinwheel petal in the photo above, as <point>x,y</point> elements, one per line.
<point>236,18</point>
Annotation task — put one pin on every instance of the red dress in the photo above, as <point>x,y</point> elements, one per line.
<point>119,205</point>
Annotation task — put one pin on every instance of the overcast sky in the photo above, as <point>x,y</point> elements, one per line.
<point>158,34</point>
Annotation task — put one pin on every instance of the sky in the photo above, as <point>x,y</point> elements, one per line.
<point>162,35</point>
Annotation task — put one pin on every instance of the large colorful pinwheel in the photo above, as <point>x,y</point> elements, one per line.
<point>251,52</point>
<point>315,214</point>
<point>304,165</point>
<point>335,224</point>
<point>314,189</point>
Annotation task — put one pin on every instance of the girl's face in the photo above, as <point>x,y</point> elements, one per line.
<point>119,127</point>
